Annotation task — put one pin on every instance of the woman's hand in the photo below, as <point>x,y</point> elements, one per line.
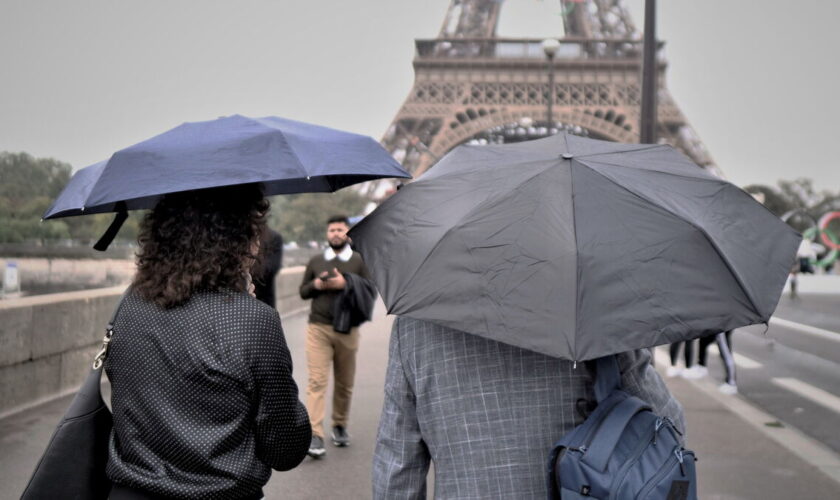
<point>249,285</point>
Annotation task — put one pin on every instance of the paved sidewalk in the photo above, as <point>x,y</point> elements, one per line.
<point>746,454</point>
<point>739,456</point>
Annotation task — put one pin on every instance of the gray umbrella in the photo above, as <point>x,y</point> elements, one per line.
<point>577,248</point>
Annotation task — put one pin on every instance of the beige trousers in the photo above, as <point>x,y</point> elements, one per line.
<point>326,347</point>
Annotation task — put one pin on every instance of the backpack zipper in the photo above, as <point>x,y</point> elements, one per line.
<point>622,473</point>
<point>656,427</point>
<point>677,456</point>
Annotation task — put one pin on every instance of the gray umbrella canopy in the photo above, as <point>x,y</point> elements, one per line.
<point>577,248</point>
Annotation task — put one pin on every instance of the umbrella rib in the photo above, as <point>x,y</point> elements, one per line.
<point>459,174</point>
<point>293,152</point>
<point>654,146</point>
<point>573,349</point>
<point>96,183</point>
<point>663,172</point>
<point>702,231</point>
<point>271,130</point>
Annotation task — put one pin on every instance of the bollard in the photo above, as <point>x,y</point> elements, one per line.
<point>11,281</point>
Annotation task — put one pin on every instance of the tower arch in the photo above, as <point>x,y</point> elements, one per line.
<point>469,80</point>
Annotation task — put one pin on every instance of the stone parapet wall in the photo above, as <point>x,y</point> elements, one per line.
<point>40,275</point>
<point>47,342</point>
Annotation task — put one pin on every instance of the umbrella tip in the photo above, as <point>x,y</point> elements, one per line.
<point>567,156</point>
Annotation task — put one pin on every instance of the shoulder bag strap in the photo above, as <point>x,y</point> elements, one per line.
<point>99,359</point>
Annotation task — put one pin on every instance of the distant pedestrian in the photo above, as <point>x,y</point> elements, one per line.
<point>724,344</point>
<point>689,371</point>
<point>269,264</point>
<point>332,336</point>
<point>485,413</point>
<point>203,397</point>
<point>806,255</point>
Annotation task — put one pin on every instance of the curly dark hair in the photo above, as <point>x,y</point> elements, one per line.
<point>199,240</point>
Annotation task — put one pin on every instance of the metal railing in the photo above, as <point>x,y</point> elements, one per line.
<point>527,48</point>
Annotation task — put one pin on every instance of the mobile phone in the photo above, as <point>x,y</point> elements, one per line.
<point>325,278</point>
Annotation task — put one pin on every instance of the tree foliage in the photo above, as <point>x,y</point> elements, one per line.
<point>303,217</point>
<point>28,186</point>
<point>798,198</point>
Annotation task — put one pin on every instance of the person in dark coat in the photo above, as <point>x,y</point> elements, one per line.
<point>203,398</point>
<point>270,263</point>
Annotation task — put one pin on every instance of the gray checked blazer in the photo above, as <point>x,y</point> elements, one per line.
<point>485,413</point>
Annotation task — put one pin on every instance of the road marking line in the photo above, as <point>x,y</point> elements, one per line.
<point>740,360</point>
<point>813,330</point>
<point>745,362</point>
<point>808,391</point>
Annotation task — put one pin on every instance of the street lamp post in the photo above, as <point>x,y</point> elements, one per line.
<point>550,46</point>
<point>647,126</point>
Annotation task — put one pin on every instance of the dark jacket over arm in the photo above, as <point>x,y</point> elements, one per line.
<point>354,305</point>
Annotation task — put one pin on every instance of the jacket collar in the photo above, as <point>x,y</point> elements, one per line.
<point>344,255</point>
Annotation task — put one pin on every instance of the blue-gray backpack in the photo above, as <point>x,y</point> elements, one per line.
<point>623,450</point>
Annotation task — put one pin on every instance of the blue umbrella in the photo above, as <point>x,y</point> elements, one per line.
<point>286,156</point>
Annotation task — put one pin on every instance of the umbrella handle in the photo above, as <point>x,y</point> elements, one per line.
<point>110,233</point>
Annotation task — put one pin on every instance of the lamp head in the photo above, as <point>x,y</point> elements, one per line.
<point>550,46</point>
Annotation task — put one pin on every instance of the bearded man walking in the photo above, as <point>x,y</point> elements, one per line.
<point>330,278</point>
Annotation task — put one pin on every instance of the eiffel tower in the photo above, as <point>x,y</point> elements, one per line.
<point>472,86</point>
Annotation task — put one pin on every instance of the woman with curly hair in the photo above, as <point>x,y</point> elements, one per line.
<point>202,392</point>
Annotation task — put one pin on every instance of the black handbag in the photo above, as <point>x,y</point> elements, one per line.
<point>73,465</point>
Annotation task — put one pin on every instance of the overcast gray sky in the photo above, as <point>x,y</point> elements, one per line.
<point>80,79</point>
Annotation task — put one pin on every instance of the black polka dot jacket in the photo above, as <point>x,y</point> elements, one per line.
<point>203,398</point>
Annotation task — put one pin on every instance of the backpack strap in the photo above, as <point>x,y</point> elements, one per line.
<point>610,431</point>
<point>607,377</point>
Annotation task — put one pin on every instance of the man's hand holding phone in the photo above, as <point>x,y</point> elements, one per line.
<point>330,280</point>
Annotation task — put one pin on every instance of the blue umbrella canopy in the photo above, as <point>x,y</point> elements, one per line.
<point>286,156</point>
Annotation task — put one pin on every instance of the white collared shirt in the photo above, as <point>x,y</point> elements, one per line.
<point>344,255</point>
